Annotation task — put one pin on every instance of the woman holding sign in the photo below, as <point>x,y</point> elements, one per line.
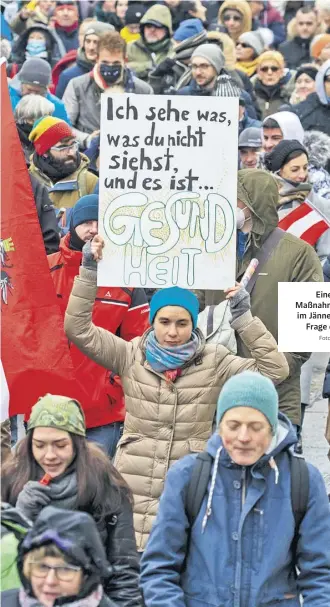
<point>171,379</point>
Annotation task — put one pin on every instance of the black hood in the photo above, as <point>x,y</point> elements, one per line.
<point>76,535</point>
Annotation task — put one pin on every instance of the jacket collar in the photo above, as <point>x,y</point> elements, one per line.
<point>70,257</point>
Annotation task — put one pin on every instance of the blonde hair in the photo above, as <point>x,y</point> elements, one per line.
<point>271,56</point>
<point>38,554</point>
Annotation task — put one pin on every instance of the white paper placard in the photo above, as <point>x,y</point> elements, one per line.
<point>304,316</point>
<point>168,191</point>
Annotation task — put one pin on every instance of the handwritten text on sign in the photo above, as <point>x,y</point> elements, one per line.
<point>168,191</point>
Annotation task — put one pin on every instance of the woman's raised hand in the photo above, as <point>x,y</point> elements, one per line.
<point>239,300</point>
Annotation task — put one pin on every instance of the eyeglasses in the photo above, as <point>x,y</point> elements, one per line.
<point>202,66</point>
<point>232,18</point>
<point>63,573</point>
<point>243,45</point>
<point>269,68</point>
<point>66,148</point>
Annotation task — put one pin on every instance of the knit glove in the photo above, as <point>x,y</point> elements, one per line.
<point>32,499</point>
<point>88,260</point>
<point>239,304</point>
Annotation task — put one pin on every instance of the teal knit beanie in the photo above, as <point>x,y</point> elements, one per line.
<point>175,296</point>
<point>249,389</point>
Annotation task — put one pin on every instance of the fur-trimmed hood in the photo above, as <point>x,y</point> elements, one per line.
<point>317,145</point>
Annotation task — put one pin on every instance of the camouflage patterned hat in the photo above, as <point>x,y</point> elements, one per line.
<point>59,412</point>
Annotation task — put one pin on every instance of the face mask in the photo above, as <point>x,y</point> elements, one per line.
<point>35,48</point>
<point>240,218</point>
<point>110,73</point>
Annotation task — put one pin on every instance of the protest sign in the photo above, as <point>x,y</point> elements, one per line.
<point>168,191</point>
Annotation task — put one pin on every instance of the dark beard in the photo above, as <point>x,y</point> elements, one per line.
<point>56,169</point>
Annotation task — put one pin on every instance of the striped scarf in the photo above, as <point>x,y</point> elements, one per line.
<point>163,359</point>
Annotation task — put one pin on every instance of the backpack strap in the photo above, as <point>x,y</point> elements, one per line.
<point>197,486</point>
<point>299,492</point>
<point>210,319</point>
<point>264,254</point>
<point>82,183</point>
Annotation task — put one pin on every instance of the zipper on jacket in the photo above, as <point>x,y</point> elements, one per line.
<point>243,485</point>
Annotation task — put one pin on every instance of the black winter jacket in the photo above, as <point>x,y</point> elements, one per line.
<point>295,52</point>
<point>313,114</point>
<point>46,214</point>
<point>123,585</point>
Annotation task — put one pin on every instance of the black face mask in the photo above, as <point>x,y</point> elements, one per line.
<point>110,73</point>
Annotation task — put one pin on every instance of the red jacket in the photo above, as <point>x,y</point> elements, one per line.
<point>119,310</point>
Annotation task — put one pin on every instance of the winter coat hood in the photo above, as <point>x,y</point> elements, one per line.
<point>317,145</point>
<point>319,83</point>
<point>242,7</point>
<point>76,535</point>
<point>258,190</point>
<point>292,29</point>
<point>284,438</point>
<point>19,47</point>
<point>185,49</point>
<point>158,13</point>
<point>290,125</point>
<point>227,46</point>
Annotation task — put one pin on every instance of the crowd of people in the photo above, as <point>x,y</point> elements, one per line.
<point>178,478</point>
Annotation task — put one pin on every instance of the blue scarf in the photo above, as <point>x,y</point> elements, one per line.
<point>241,243</point>
<point>166,359</point>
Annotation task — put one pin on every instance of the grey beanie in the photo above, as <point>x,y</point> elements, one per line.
<point>254,40</point>
<point>213,54</point>
<point>250,138</point>
<point>35,71</point>
<point>98,28</point>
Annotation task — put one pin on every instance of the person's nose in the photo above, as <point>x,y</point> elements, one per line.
<point>172,331</point>
<point>50,454</point>
<point>51,579</point>
<point>243,434</point>
<point>93,228</point>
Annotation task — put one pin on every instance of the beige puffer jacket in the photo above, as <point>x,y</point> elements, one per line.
<point>164,421</point>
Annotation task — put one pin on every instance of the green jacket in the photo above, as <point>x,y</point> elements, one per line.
<point>293,260</point>
<point>80,183</point>
<point>141,58</point>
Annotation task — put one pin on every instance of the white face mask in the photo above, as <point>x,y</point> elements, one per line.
<point>240,218</point>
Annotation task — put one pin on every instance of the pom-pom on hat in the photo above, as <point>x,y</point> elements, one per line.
<point>48,131</point>
<point>175,296</point>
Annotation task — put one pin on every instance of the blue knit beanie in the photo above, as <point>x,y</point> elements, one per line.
<point>249,389</point>
<point>175,296</point>
<point>187,29</point>
<point>86,209</point>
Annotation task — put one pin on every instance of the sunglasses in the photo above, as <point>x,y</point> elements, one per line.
<point>267,68</point>
<point>243,45</point>
<point>232,18</point>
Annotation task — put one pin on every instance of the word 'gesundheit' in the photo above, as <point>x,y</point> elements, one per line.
<point>156,229</point>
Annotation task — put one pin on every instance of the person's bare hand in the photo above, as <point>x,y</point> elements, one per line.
<point>97,244</point>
